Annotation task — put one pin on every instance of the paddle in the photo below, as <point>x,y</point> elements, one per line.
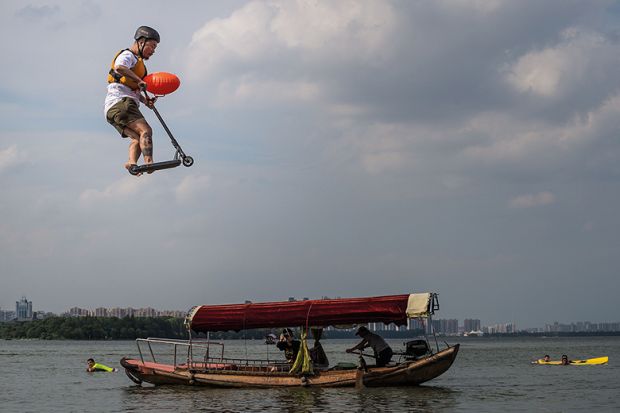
<point>364,354</point>
<point>361,369</point>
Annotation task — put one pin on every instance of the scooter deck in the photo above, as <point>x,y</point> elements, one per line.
<point>155,166</point>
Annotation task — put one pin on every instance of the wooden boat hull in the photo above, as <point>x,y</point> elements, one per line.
<point>409,373</point>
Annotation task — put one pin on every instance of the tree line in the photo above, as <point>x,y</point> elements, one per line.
<point>130,328</point>
<point>94,328</point>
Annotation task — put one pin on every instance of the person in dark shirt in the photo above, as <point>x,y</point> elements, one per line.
<point>289,345</point>
<point>383,352</point>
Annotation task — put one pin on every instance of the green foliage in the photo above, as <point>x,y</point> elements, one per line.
<point>95,328</point>
<point>130,328</point>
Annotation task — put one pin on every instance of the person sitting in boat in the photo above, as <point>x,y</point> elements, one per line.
<point>565,361</point>
<point>317,353</point>
<point>546,358</point>
<point>92,366</point>
<point>289,345</point>
<point>383,352</point>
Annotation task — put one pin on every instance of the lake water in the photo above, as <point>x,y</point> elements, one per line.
<point>489,375</point>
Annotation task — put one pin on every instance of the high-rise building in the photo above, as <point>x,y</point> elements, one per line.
<point>117,312</point>
<point>7,315</point>
<point>471,325</point>
<point>416,324</point>
<point>145,312</point>
<point>101,312</point>
<point>450,326</point>
<point>78,312</point>
<point>23,309</point>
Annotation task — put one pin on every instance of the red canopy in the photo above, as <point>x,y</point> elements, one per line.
<point>312,313</point>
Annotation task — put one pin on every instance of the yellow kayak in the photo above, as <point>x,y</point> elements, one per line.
<point>586,362</point>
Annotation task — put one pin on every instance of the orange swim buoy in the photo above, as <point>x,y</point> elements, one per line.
<point>162,83</point>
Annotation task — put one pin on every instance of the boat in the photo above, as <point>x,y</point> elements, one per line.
<point>201,362</point>
<point>586,362</point>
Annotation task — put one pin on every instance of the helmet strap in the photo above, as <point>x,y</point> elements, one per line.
<point>141,47</point>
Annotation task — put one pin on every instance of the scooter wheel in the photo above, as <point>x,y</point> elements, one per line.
<point>133,169</point>
<point>188,161</point>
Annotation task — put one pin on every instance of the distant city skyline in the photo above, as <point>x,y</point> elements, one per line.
<point>441,325</point>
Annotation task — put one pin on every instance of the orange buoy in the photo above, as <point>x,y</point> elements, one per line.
<point>162,83</point>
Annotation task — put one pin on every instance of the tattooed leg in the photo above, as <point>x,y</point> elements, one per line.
<point>145,133</point>
<point>146,145</point>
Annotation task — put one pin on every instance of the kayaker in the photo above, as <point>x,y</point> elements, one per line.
<point>92,366</point>
<point>383,352</point>
<point>546,359</point>
<point>565,361</point>
<point>289,345</point>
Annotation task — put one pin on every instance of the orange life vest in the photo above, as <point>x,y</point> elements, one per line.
<point>139,69</point>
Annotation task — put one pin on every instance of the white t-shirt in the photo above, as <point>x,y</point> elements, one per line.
<point>117,91</point>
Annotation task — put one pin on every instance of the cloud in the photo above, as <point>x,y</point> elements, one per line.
<point>578,69</point>
<point>9,157</point>
<point>253,91</point>
<point>532,200</point>
<point>192,187</point>
<point>548,71</point>
<point>38,12</point>
<point>503,137</point>
<point>300,35</point>
<point>117,191</point>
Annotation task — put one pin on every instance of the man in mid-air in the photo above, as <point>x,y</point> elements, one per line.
<point>125,82</point>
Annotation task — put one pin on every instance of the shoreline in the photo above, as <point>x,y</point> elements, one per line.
<point>344,337</point>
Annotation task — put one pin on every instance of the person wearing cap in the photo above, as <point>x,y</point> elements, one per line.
<point>383,352</point>
<point>122,102</point>
<point>289,345</point>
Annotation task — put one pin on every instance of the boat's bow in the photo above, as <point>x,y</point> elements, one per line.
<point>415,372</point>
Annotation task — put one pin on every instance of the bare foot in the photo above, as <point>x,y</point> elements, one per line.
<point>128,166</point>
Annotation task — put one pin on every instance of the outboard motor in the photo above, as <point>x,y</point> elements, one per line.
<point>415,349</point>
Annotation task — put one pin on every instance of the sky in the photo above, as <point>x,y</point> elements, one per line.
<point>343,149</point>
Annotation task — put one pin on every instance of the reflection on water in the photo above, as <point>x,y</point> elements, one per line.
<point>294,400</point>
<point>413,399</point>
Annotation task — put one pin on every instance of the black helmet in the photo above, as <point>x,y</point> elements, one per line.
<point>146,32</point>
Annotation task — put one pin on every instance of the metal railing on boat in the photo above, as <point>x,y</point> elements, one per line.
<point>176,344</point>
<point>207,362</point>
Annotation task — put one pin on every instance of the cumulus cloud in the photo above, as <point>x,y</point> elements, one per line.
<point>394,89</point>
<point>301,35</point>
<point>503,137</point>
<point>579,67</point>
<point>532,200</point>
